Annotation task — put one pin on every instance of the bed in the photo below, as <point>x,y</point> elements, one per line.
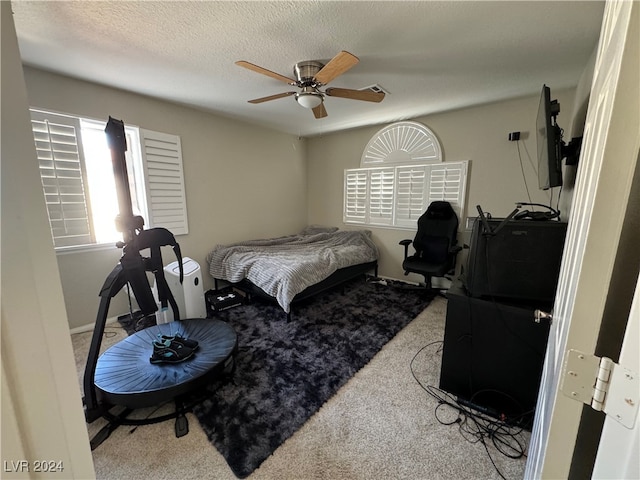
<point>295,267</point>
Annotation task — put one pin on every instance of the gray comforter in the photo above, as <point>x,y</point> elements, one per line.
<point>285,266</point>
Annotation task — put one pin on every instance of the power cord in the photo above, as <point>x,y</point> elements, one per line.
<point>475,427</point>
<point>524,177</point>
<point>535,168</point>
<point>548,215</point>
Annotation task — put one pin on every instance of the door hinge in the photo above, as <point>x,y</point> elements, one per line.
<point>603,384</point>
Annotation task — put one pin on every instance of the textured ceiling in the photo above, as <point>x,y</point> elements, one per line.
<point>429,56</point>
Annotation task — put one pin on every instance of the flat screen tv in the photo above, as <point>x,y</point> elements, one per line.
<point>549,137</point>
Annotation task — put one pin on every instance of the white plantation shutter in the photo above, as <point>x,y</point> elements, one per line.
<point>401,174</point>
<point>398,196</point>
<point>410,191</point>
<point>61,162</point>
<point>154,164</point>
<point>355,196</point>
<point>381,196</point>
<point>448,182</point>
<point>402,143</point>
<point>166,201</point>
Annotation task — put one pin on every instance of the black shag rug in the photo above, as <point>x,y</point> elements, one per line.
<point>286,370</point>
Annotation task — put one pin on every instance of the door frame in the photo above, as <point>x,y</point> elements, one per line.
<point>608,163</point>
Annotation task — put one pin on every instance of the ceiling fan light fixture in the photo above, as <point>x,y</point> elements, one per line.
<point>310,76</point>
<point>309,98</point>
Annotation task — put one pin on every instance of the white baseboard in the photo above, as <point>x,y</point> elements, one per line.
<point>393,279</point>
<point>90,326</point>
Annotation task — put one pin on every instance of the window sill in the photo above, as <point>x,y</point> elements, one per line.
<point>382,226</point>
<point>85,248</point>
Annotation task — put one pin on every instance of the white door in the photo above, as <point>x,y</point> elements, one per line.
<point>607,165</point>
<point>619,451</point>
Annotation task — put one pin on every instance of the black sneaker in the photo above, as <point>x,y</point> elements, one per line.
<point>178,338</point>
<point>170,352</point>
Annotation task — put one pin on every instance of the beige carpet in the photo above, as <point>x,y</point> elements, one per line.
<point>380,425</point>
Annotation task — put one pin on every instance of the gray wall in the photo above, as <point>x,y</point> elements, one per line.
<point>478,134</point>
<point>241,181</point>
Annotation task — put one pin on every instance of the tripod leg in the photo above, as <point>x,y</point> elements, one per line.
<point>115,281</point>
<point>182,424</point>
<point>110,427</point>
<point>164,293</point>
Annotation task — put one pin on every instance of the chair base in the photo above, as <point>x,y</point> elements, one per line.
<point>428,291</point>
<point>428,285</point>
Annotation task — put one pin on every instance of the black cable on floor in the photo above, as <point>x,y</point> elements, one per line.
<point>474,426</point>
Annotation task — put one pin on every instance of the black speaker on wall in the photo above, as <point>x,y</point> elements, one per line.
<point>521,260</point>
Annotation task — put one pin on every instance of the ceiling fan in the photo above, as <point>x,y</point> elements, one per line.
<point>310,76</point>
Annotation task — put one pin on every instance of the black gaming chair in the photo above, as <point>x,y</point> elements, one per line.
<point>435,243</point>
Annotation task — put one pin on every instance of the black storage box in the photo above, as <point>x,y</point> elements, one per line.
<point>493,355</point>
<point>521,261</point>
<point>218,300</point>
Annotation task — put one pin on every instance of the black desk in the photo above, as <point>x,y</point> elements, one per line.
<point>493,355</point>
<point>124,376</point>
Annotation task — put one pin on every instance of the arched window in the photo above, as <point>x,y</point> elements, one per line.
<point>401,173</point>
<point>402,143</point>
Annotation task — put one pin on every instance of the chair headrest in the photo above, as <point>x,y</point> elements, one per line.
<point>440,210</point>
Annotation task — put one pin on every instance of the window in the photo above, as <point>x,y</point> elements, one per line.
<point>403,173</point>
<point>401,143</point>
<point>397,196</point>
<point>79,185</point>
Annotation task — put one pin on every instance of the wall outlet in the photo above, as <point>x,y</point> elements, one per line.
<point>514,136</point>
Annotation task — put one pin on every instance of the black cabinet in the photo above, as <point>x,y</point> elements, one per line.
<point>493,355</point>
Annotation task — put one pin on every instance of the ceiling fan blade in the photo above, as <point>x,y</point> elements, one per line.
<point>319,111</point>
<point>366,95</point>
<point>264,71</point>
<point>272,97</point>
<point>336,66</point>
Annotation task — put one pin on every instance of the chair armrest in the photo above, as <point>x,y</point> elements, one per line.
<point>455,249</point>
<point>406,242</point>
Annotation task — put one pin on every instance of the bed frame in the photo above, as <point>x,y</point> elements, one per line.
<point>337,278</point>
